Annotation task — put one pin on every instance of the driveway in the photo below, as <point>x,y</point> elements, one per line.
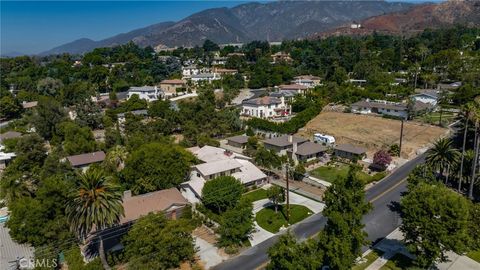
<point>261,234</point>
<point>208,253</point>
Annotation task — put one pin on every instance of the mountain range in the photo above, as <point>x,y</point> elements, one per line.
<point>415,19</point>
<point>273,21</point>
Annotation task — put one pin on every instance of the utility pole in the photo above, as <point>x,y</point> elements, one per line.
<point>288,197</point>
<point>401,139</point>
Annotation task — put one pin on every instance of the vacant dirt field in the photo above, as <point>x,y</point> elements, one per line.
<point>372,132</point>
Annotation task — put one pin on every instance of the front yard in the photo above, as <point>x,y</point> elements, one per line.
<point>368,259</point>
<point>474,255</point>
<point>256,195</point>
<point>331,174</point>
<point>272,222</point>
<point>398,262</point>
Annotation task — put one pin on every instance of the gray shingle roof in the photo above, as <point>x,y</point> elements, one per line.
<point>351,149</point>
<point>372,104</point>
<point>85,159</point>
<point>283,141</point>
<point>263,101</point>
<point>10,135</point>
<point>310,148</point>
<point>238,139</point>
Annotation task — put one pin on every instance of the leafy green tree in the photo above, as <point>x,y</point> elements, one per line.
<point>49,114</point>
<point>288,254</point>
<point>154,242</point>
<point>76,139</point>
<point>343,236</point>
<point>299,172</point>
<point>9,107</point>
<point>268,158</point>
<point>435,220</point>
<point>49,86</point>
<point>222,193</point>
<point>89,114</point>
<point>41,220</point>
<point>159,108</point>
<point>236,224</point>
<point>276,195</point>
<point>156,166</point>
<point>210,46</point>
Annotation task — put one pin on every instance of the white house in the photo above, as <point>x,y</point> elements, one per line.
<point>189,71</point>
<point>149,93</point>
<point>399,110</point>
<point>220,162</point>
<point>266,107</point>
<point>207,77</point>
<point>307,80</point>
<point>429,96</point>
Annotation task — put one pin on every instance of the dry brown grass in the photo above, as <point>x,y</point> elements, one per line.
<point>372,132</point>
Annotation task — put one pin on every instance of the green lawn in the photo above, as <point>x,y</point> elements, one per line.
<point>256,195</point>
<point>434,117</point>
<point>370,258</point>
<point>474,255</point>
<point>271,221</point>
<point>398,262</point>
<point>331,174</point>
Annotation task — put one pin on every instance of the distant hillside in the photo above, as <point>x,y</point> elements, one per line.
<point>274,21</point>
<point>416,19</point>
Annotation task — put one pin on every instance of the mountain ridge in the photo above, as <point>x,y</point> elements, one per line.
<point>273,21</point>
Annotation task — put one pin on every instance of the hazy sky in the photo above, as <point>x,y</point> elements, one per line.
<point>36,26</point>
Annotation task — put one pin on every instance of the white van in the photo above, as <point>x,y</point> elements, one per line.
<point>323,139</point>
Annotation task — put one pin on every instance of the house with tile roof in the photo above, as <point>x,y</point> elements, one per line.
<point>266,107</point>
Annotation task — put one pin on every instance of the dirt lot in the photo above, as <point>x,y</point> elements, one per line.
<point>372,132</point>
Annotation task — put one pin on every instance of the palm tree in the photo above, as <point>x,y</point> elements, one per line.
<point>442,155</point>
<point>476,146</point>
<point>467,113</point>
<point>96,204</point>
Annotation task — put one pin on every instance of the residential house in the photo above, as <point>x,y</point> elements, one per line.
<point>9,135</point>
<point>288,95</point>
<point>5,157</point>
<point>205,77</point>
<point>298,88</point>
<point>357,82</point>
<point>307,80</point>
<point>172,87</point>
<point>219,61</point>
<point>149,93</point>
<point>168,201</point>
<point>449,86</point>
<point>224,71</point>
<point>189,71</point>
<point>394,109</point>
<point>281,57</point>
<point>428,96</point>
<point>283,143</point>
<point>307,151</point>
<point>350,151</point>
<point>29,105</point>
<point>83,161</point>
<point>266,107</point>
<point>239,141</point>
<point>220,162</point>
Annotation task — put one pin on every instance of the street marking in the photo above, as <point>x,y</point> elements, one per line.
<point>388,190</point>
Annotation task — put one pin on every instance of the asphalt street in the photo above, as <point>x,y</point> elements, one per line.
<point>378,223</point>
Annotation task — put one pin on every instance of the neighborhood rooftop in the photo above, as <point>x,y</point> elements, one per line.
<point>10,135</point>
<point>284,140</point>
<point>351,149</point>
<point>142,88</point>
<point>214,167</point>
<point>381,104</point>
<point>239,139</point>
<point>173,81</point>
<point>141,205</point>
<point>309,148</point>
<point>85,159</point>
<point>263,101</point>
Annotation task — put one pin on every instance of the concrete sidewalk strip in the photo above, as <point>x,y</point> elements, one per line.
<point>381,261</point>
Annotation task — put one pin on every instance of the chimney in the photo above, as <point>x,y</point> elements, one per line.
<point>127,194</point>
<point>290,138</point>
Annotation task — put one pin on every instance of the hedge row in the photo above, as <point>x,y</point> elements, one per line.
<point>292,126</point>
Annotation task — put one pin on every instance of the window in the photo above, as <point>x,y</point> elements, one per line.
<point>388,110</point>
<point>232,170</point>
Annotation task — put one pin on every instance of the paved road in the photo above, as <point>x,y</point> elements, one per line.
<point>379,222</point>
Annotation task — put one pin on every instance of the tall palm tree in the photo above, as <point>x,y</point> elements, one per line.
<point>442,155</point>
<point>467,113</point>
<point>476,146</point>
<point>95,204</point>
